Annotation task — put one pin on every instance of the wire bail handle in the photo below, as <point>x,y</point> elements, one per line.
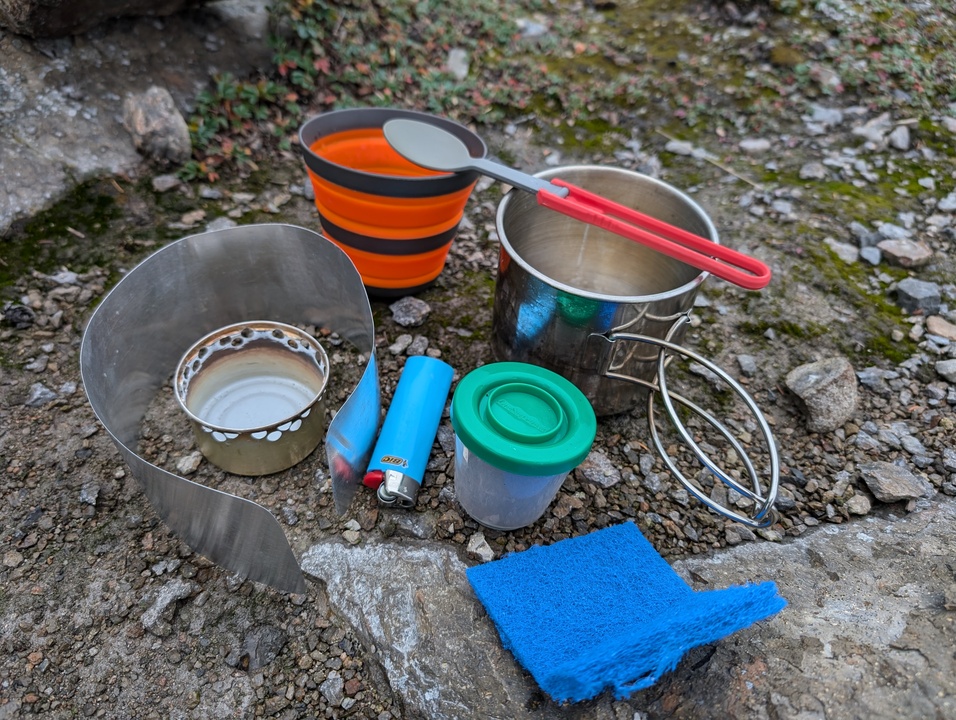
<point>763,514</point>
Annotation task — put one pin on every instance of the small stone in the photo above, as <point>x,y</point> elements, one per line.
<point>858,505</point>
<point>914,295</point>
<point>418,346</point>
<point>679,147</point>
<point>600,470</point>
<point>755,146</point>
<point>747,364</point>
<point>190,463</point>
<point>946,369</point>
<point>165,183</point>
<point>892,483</point>
<point>158,129</point>
<point>410,311</point>
<point>352,537</point>
<point>948,203</point>
<point>89,493</point>
<point>39,396</point>
<point>221,223</point>
<point>900,138</point>
<point>457,63</point>
<point>935,325</point>
<point>814,171</point>
<point>172,592</point>
<point>333,689</point>
<point>846,252</point>
<point>872,255</point>
<point>827,116</point>
<point>12,559</point>
<point>401,344</point>
<point>828,391</point>
<point>478,547</point>
<point>906,253</point>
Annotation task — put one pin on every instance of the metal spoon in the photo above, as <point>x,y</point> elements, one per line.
<point>431,147</point>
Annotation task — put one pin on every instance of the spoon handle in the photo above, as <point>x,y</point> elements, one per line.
<point>721,261</point>
<point>518,179</point>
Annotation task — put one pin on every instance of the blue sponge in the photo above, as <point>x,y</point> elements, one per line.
<point>606,610</point>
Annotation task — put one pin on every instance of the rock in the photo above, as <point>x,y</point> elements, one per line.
<point>597,468</point>
<point>189,464</point>
<point>892,483</point>
<point>19,316</point>
<point>875,130</point>
<point>827,116</point>
<point>333,689</point>
<point>165,183</point>
<point>828,391</point>
<point>56,18</point>
<point>900,138</point>
<point>935,325</point>
<point>846,252</point>
<point>755,146</point>
<point>946,369</point>
<point>457,63</point>
<point>679,147</point>
<point>872,255</point>
<point>874,378</point>
<point>814,171</point>
<point>259,648</point>
<point>906,253</point>
<point>401,344</point>
<point>479,548</point>
<point>914,295</point>
<point>39,396</point>
<point>158,129</point>
<point>413,609</point>
<point>858,505</point>
<point>948,203</point>
<point>747,364</point>
<point>410,311</point>
<point>157,616</point>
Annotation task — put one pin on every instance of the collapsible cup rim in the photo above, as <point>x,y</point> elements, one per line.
<point>399,186</point>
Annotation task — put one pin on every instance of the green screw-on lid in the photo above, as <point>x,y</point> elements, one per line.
<point>523,419</point>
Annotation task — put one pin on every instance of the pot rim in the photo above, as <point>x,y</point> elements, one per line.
<point>590,294</point>
<point>320,357</point>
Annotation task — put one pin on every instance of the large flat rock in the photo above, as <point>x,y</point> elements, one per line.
<point>61,102</point>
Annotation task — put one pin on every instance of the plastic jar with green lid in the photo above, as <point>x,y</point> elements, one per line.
<point>519,430</point>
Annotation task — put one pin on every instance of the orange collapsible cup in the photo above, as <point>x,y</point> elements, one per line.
<point>394,219</point>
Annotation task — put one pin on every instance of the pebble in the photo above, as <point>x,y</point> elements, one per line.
<point>598,468</point>
<point>190,463</point>
<point>828,391</point>
<point>892,483</point>
<point>401,344</point>
<point>940,327</point>
<point>846,252</point>
<point>814,171</point>
<point>333,689</point>
<point>755,146</point>
<point>914,295</point>
<point>39,396</point>
<point>899,138</point>
<point>946,369</point>
<point>479,548</point>
<point>169,594</point>
<point>410,311</point>
<point>747,364</point>
<point>906,253</point>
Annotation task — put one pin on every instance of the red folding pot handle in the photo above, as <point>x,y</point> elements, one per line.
<point>699,252</point>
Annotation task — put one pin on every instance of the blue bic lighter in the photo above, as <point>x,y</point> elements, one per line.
<point>401,453</point>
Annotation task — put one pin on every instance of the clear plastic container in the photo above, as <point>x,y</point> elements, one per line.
<point>519,430</point>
